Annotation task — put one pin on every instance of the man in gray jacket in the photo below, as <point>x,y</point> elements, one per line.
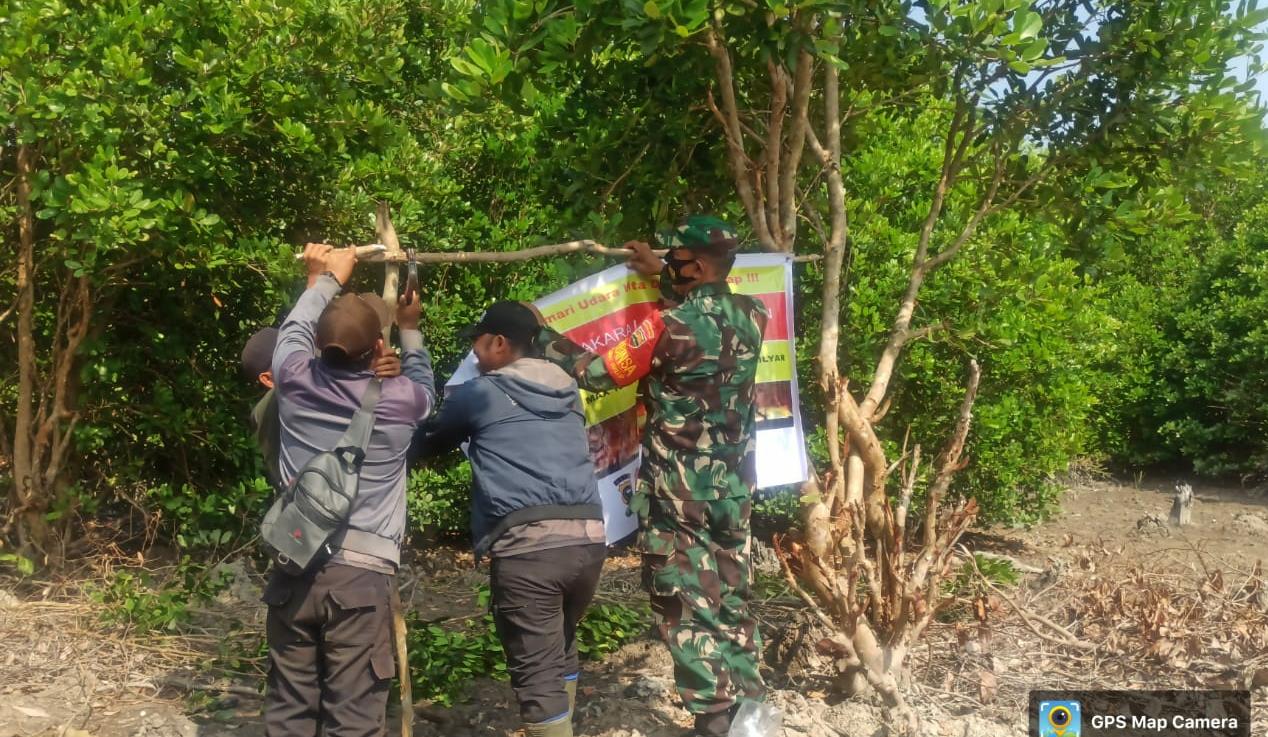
<point>535,508</point>
<point>329,630</point>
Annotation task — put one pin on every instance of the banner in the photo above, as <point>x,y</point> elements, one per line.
<point>600,311</point>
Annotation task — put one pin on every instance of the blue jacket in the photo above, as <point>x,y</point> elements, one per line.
<point>526,438</point>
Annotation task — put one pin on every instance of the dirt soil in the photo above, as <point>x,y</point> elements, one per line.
<point>1130,602</point>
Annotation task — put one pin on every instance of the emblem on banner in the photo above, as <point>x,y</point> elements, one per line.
<point>621,364</point>
<point>642,334</point>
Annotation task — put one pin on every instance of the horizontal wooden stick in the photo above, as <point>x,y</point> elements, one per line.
<point>376,253</point>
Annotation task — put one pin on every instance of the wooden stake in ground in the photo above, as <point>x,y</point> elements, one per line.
<point>391,286</point>
<point>1182,506</point>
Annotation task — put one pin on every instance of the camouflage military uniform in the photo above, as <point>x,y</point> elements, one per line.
<point>697,363</point>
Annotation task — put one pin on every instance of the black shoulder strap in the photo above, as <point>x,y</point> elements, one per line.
<point>362,424</point>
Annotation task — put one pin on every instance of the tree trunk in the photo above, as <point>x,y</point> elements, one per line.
<point>28,500</point>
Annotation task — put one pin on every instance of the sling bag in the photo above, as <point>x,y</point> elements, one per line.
<point>298,528</point>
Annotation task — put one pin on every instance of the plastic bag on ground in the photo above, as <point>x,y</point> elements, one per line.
<point>755,719</point>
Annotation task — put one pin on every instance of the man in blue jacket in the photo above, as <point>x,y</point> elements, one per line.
<point>535,507</point>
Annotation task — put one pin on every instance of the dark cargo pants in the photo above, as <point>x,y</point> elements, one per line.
<point>538,598</point>
<point>330,652</point>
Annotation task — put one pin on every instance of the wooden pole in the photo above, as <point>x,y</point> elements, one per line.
<point>378,252</point>
<point>391,257</point>
<point>391,286</point>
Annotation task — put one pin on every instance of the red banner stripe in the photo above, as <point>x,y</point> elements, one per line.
<point>777,306</point>
<point>599,335</point>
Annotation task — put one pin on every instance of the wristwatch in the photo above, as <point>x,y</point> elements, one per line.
<point>331,274</point>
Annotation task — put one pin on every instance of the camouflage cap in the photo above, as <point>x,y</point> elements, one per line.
<point>700,231</point>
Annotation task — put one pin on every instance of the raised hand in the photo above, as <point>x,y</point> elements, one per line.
<point>315,259</point>
<point>409,313</point>
<point>643,260</point>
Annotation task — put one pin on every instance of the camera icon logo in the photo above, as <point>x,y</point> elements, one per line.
<point>1060,719</point>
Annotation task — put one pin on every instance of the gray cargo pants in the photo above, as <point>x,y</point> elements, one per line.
<point>330,652</point>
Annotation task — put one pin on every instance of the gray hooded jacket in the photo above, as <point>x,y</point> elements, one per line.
<point>530,456</point>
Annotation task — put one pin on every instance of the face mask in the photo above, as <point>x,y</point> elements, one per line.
<point>674,267</point>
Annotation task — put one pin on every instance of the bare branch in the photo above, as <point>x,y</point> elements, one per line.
<point>909,488</point>
<point>913,335</point>
<point>949,461</point>
<point>731,136</point>
<point>729,114</point>
<point>959,134</point>
<point>834,249</point>
<point>795,587</point>
<point>607,193</point>
<point>801,84</point>
<point>9,311</point>
<point>986,207</point>
<point>386,233</point>
<point>1063,636</point>
<point>882,410</point>
<point>833,432</point>
<point>863,441</point>
<point>75,315</point>
<point>370,254</point>
<point>774,149</point>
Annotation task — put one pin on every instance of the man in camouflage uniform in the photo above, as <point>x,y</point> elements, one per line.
<point>697,360</point>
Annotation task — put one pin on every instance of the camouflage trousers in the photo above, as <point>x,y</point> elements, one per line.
<point>696,568</point>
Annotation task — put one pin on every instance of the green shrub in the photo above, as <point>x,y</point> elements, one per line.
<point>439,498</point>
<point>1209,378</point>
<point>966,585</point>
<point>607,627</point>
<point>22,564</point>
<point>137,599</point>
<point>445,657</point>
<point>444,660</point>
<point>776,511</point>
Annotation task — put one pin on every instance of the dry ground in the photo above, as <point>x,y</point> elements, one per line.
<point>1112,599</point>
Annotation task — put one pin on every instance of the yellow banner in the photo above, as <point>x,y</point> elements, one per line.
<point>575,310</point>
<point>775,363</point>
<point>600,407</point>
<point>597,312</point>
<point>757,279</point>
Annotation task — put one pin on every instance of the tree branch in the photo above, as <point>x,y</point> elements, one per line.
<point>370,254</point>
<point>774,150</point>
<point>863,441</point>
<point>949,461</point>
<point>986,207</point>
<point>801,84</point>
<point>834,249</point>
<point>959,135</point>
<point>730,119</point>
<point>65,360</point>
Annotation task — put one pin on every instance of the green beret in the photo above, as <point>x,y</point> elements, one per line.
<point>700,231</point>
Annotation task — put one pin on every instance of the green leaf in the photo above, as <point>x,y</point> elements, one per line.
<point>1035,50</point>
<point>1254,18</point>
<point>1028,25</point>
